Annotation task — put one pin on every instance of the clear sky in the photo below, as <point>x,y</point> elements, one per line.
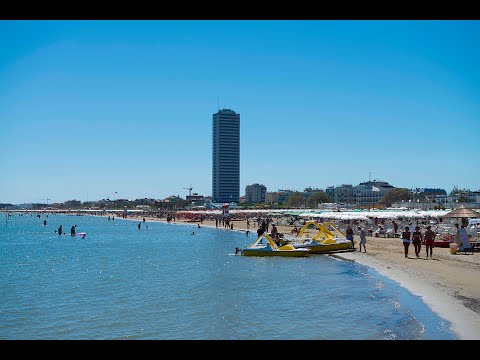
<point>90,108</point>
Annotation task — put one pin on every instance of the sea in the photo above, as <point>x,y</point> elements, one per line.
<point>162,282</point>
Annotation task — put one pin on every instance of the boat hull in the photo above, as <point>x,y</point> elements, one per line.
<point>287,253</point>
<point>322,248</point>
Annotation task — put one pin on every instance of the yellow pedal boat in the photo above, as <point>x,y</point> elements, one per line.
<point>324,241</point>
<point>265,246</point>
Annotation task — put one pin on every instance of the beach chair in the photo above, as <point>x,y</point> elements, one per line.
<point>465,246</point>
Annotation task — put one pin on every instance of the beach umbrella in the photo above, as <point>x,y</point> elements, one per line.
<point>462,212</point>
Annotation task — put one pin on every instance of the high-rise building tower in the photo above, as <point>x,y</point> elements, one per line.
<point>226,156</point>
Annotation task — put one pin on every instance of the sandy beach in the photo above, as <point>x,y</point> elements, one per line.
<point>448,284</point>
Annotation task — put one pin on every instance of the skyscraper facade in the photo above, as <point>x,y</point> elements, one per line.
<point>226,156</point>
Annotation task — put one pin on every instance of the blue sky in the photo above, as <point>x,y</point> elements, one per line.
<point>90,108</point>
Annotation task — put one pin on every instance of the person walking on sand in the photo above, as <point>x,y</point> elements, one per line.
<point>417,239</point>
<point>406,240</point>
<point>429,238</point>
<point>363,239</point>
<point>349,235</point>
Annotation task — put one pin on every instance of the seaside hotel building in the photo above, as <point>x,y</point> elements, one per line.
<point>226,157</point>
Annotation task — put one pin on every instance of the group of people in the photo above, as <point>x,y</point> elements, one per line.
<point>73,230</point>
<point>417,238</point>
<point>363,238</point>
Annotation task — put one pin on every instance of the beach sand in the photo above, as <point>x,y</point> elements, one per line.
<point>449,284</point>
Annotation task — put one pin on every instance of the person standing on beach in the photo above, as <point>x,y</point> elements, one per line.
<point>260,231</point>
<point>395,226</point>
<point>458,240</point>
<point>274,231</point>
<point>417,238</point>
<point>349,235</point>
<point>363,239</point>
<point>429,240</point>
<point>406,240</point>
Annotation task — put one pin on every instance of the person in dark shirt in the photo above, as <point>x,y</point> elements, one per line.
<point>429,240</point>
<point>60,230</point>
<point>260,231</point>
<point>72,230</point>
<point>274,231</point>
<point>406,240</point>
<point>417,238</point>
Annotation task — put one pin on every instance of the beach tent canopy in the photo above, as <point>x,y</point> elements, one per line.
<point>462,212</point>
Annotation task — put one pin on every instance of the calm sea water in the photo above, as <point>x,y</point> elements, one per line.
<point>164,283</point>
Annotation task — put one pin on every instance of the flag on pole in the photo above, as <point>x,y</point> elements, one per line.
<point>374,188</point>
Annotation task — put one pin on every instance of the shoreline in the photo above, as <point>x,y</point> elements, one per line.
<point>442,294</point>
<point>465,323</point>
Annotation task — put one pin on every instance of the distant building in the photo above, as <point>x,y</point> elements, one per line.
<point>277,197</point>
<point>27,206</point>
<point>195,199</point>
<point>344,194</point>
<point>226,157</point>
<point>272,197</point>
<point>364,194</point>
<point>143,207</point>
<point>255,193</point>
<point>73,203</point>
<point>330,192</point>
<point>428,193</point>
<point>371,192</point>
<point>7,206</point>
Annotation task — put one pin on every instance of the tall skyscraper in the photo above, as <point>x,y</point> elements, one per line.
<point>226,156</point>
